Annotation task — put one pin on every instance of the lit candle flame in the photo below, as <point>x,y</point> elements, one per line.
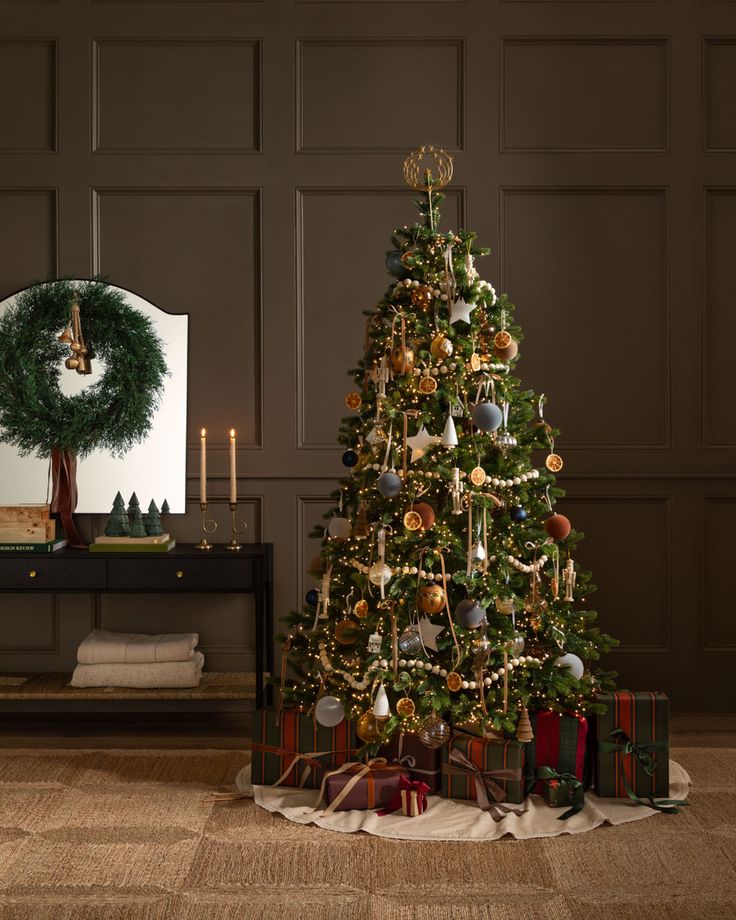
<point>204,432</point>
<point>232,432</point>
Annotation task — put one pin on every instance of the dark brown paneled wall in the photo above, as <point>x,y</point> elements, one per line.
<point>241,161</point>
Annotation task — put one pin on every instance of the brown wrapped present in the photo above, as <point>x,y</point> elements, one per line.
<point>360,785</point>
<point>423,763</point>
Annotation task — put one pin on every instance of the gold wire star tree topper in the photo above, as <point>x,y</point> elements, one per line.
<point>419,169</point>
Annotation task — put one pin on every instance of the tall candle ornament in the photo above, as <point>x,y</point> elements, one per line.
<point>208,525</point>
<point>238,527</point>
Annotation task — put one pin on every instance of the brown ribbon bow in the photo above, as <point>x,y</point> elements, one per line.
<point>485,783</point>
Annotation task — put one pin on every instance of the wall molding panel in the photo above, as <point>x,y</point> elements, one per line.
<point>29,119</point>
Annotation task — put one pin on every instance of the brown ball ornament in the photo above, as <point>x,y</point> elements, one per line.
<point>366,728</point>
<point>426,513</point>
<point>441,347</point>
<point>402,360</point>
<point>346,632</point>
<point>72,363</point>
<point>431,598</point>
<point>557,526</point>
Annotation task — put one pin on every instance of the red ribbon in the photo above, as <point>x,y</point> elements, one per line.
<point>406,784</point>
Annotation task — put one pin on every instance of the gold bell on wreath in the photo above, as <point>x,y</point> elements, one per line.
<point>431,598</point>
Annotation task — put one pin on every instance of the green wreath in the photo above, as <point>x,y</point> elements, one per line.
<point>115,412</point>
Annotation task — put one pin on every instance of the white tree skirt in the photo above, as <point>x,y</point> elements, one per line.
<point>446,819</point>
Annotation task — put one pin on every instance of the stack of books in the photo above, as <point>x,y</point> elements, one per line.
<point>28,529</point>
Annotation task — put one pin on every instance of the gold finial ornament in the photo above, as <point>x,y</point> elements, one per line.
<point>419,166</point>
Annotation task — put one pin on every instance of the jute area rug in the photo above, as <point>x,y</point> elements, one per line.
<point>128,834</point>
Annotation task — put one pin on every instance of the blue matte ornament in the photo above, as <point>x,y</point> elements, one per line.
<point>389,484</point>
<point>311,597</point>
<point>518,514</point>
<point>487,416</point>
<point>395,266</point>
<point>350,458</point>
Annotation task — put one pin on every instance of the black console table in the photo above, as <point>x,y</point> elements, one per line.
<point>184,570</point>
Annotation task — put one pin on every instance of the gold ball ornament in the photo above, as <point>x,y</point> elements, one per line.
<point>427,385</point>
<point>554,463</point>
<point>72,363</point>
<point>441,347</point>
<point>422,297</point>
<point>405,707</point>
<point>361,609</point>
<point>454,681</point>
<point>367,728</point>
<point>346,632</point>
<point>353,401</point>
<point>431,598</point>
<point>402,360</point>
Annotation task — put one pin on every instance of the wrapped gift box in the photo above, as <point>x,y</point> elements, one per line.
<point>643,719</point>
<point>290,746</point>
<point>363,786</point>
<point>559,742</point>
<point>421,762</point>
<point>500,765</point>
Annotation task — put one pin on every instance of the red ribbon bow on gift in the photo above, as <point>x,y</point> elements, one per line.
<point>406,784</point>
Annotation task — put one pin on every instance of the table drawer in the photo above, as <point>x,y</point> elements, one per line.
<point>157,574</point>
<point>48,574</point>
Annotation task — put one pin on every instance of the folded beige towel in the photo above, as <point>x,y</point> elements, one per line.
<point>103,647</point>
<point>159,675</point>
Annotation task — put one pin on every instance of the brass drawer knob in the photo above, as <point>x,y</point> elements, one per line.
<point>32,573</point>
<point>180,574</point>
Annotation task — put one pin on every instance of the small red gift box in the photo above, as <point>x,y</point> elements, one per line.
<point>361,785</point>
<point>411,798</point>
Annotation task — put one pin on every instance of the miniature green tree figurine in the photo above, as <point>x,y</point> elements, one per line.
<point>153,521</point>
<point>118,524</point>
<point>137,527</point>
<point>165,507</point>
<point>133,503</point>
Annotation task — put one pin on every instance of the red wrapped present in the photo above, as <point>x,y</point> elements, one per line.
<point>423,763</point>
<point>360,785</point>
<point>559,743</point>
<point>291,749</point>
<point>411,798</point>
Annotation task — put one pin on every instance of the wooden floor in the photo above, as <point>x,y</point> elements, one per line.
<point>231,731</point>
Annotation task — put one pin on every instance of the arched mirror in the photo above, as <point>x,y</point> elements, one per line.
<point>154,468</point>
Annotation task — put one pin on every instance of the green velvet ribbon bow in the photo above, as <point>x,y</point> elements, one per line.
<point>573,783</point>
<point>643,753</point>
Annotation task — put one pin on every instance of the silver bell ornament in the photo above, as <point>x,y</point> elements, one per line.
<point>477,555</point>
<point>410,641</point>
<point>379,574</point>
<point>389,484</point>
<point>469,613</point>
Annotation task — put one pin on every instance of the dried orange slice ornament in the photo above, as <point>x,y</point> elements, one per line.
<point>405,707</point>
<point>478,476</point>
<point>454,681</point>
<point>353,401</point>
<point>474,362</point>
<point>501,339</point>
<point>554,463</point>
<point>412,520</point>
<point>427,385</point>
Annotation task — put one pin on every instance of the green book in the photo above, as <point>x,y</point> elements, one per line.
<point>132,547</point>
<point>49,547</point>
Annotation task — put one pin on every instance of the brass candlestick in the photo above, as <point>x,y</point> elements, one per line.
<point>208,526</point>
<point>238,527</point>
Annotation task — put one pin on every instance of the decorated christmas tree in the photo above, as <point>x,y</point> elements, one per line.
<point>448,592</point>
